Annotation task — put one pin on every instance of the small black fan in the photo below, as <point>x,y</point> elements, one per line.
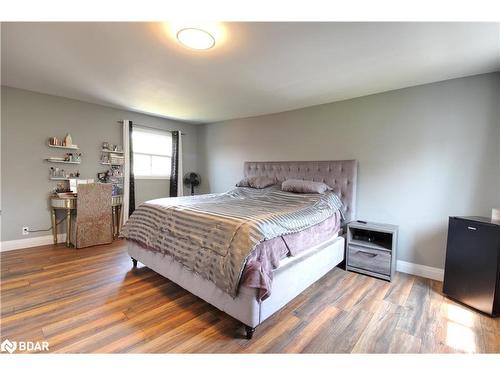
<point>192,179</point>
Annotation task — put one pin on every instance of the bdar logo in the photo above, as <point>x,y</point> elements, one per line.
<point>8,346</point>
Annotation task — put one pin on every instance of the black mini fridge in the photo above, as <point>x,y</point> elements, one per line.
<point>472,270</point>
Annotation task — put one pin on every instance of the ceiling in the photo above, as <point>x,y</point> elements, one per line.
<point>254,69</point>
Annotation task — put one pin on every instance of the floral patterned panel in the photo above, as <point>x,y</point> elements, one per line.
<point>93,219</point>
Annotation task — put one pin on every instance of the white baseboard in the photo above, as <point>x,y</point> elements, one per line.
<point>30,242</point>
<point>420,270</point>
<point>402,266</point>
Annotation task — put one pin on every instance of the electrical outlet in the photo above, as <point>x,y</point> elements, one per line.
<point>26,231</point>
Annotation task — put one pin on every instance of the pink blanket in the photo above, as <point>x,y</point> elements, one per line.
<point>267,255</point>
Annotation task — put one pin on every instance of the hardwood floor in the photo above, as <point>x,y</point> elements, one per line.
<point>91,300</point>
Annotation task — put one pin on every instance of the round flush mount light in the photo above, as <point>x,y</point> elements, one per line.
<point>195,38</point>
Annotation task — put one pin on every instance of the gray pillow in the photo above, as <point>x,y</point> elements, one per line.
<point>304,186</point>
<point>259,182</point>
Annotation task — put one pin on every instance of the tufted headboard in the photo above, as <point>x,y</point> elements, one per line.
<point>341,175</point>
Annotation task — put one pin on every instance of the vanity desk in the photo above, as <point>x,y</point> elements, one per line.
<point>69,204</point>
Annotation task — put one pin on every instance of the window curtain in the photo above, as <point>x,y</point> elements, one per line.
<point>128,205</point>
<point>176,187</point>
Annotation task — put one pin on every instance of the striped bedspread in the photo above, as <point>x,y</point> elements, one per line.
<point>213,234</point>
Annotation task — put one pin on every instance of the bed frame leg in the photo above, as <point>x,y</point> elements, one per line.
<point>250,331</point>
<point>134,262</point>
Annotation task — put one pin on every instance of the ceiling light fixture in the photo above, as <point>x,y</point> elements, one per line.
<point>196,38</point>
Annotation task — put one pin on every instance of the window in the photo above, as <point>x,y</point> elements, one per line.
<point>152,153</point>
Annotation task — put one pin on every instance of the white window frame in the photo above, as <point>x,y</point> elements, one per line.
<point>153,131</point>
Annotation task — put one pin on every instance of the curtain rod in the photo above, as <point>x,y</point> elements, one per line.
<point>149,127</point>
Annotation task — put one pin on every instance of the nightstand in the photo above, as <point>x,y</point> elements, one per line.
<point>371,249</point>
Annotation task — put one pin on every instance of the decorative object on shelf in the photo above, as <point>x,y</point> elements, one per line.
<point>102,176</point>
<point>56,173</point>
<point>68,141</point>
<point>113,176</point>
<point>62,187</point>
<point>59,143</point>
<point>110,155</point>
<point>54,141</point>
<point>108,147</point>
<point>117,190</point>
<point>116,160</point>
<point>60,174</point>
<point>192,179</point>
<point>69,157</point>
<point>76,157</point>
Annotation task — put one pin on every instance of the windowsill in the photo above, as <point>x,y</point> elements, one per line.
<point>152,177</point>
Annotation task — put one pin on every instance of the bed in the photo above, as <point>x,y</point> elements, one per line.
<point>218,274</point>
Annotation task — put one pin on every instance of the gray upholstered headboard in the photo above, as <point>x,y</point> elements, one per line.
<point>341,175</point>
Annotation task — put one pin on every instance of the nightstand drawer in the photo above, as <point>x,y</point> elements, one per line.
<point>369,259</point>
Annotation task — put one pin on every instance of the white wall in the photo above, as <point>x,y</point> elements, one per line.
<point>424,152</point>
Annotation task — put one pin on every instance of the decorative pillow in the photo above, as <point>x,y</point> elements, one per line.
<point>259,182</point>
<point>304,186</point>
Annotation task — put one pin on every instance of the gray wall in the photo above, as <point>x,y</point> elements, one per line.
<point>29,119</point>
<point>151,189</point>
<point>424,152</point>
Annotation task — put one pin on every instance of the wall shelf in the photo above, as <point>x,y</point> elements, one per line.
<point>59,178</point>
<point>112,164</point>
<point>62,161</point>
<point>65,147</point>
<point>112,152</point>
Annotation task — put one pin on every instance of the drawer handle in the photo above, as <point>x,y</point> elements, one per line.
<point>471,228</point>
<point>367,254</point>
